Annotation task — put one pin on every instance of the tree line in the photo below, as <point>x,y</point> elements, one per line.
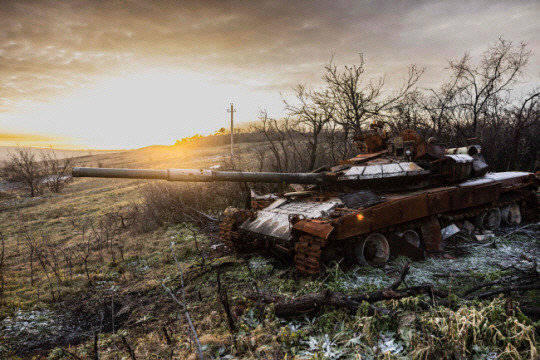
<point>477,104</point>
<point>480,103</point>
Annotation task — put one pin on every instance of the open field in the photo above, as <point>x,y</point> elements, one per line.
<point>96,284</point>
<point>6,150</point>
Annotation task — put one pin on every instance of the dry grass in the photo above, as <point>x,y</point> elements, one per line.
<point>131,264</point>
<point>53,216</point>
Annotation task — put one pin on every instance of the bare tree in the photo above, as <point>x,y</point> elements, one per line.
<point>57,171</point>
<point>440,105</point>
<point>266,128</point>
<point>523,118</point>
<point>477,103</point>
<point>357,101</point>
<point>313,110</point>
<point>494,76</point>
<point>22,166</point>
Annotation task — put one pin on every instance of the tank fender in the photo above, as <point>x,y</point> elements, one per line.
<point>318,228</point>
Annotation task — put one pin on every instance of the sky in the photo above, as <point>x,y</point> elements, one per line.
<point>126,74</point>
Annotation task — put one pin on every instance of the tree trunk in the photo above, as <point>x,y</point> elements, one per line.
<point>313,155</point>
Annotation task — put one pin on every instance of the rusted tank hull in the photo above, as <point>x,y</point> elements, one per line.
<point>406,223</point>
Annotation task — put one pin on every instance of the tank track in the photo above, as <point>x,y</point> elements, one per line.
<point>308,248</point>
<point>233,239</point>
<point>227,234</point>
<point>307,254</point>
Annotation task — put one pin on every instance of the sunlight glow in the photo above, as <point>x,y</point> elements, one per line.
<point>154,107</point>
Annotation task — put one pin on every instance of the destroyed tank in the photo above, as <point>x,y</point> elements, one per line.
<point>400,196</point>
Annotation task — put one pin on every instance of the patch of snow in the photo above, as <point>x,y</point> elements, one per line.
<point>388,345</point>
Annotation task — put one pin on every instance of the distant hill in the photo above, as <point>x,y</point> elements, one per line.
<point>61,153</point>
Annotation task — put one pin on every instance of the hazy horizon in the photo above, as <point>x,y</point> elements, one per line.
<point>128,74</point>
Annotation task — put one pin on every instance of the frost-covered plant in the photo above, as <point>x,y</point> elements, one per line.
<point>323,347</point>
<point>479,326</point>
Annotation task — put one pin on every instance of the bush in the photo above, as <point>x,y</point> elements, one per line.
<point>171,203</point>
<point>22,166</point>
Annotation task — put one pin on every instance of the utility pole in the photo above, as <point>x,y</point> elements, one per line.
<point>232,110</point>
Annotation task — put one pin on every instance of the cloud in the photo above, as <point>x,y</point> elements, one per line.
<point>14,138</point>
<point>50,48</point>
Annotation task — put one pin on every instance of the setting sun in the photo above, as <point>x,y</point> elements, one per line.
<point>152,107</point>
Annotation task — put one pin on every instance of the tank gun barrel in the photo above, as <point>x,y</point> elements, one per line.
<point>192,175</point>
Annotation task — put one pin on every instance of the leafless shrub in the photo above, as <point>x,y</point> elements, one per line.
<point>184,306</point>
<point>29,237</point>
<point>48,259</point>
<point>201,204</point>
<point>57,171</point>
<point>23,166</point>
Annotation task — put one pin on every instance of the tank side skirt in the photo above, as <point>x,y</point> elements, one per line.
<point>418,206</point>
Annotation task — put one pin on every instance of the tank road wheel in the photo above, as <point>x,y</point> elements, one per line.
<point>228,229</point>
<point>511,214</point>
<point>406,243</point>
<point>307,254</point>
<point>373,250</point>
<point>490,220</point>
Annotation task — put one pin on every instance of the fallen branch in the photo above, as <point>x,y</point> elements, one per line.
<point>390,294</point>
<point>519,229</point>
<point>504,290</point>
<point>311,302</point>
<point>314,301</point>
<point>530,311</point>
<point>188,318</point>
<point>183,305</point>
<point>402,276</point>
<point>510,278</point>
